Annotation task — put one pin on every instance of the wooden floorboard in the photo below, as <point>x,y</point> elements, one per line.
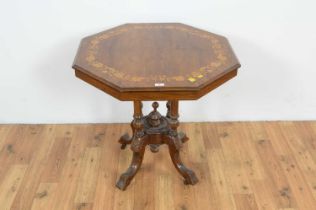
<point>240,166</point>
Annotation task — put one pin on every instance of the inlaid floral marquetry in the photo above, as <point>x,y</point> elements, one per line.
<point>160,56</point>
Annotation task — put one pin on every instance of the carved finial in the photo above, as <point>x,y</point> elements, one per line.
<point>155,106</point>
<point>154,116</point>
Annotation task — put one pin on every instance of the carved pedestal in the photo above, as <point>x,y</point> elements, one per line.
<point>154,130</point>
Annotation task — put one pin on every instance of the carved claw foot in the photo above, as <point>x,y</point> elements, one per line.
<point>188,175</point>
<point>127,177</point>
<point>124,140</point>
<point>123,182</point>
<point>190,178</point>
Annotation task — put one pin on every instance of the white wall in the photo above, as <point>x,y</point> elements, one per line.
<point>275,41</point>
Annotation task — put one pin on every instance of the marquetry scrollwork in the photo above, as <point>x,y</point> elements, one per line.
<point>221,55</point>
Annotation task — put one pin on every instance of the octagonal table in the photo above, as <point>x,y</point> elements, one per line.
<point>160,61</point>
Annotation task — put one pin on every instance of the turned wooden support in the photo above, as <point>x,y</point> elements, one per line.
<point>168,109</point>
<point>138,105</point>
<point>135,124</point>
<point>138,127</point>
<point>174,114</point>
<point>174,123</point>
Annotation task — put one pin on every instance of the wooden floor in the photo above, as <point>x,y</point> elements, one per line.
<point>266,165</point>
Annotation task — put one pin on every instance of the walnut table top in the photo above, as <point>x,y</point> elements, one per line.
<point>155,61</point>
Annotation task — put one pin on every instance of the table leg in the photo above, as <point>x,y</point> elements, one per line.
<point>126,139</point>
<point>181,135</point>
<point>138,144</point>
<point>127,177</point>
<point>174,141</point>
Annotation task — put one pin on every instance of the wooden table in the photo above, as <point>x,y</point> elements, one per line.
<point>161,61</point>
